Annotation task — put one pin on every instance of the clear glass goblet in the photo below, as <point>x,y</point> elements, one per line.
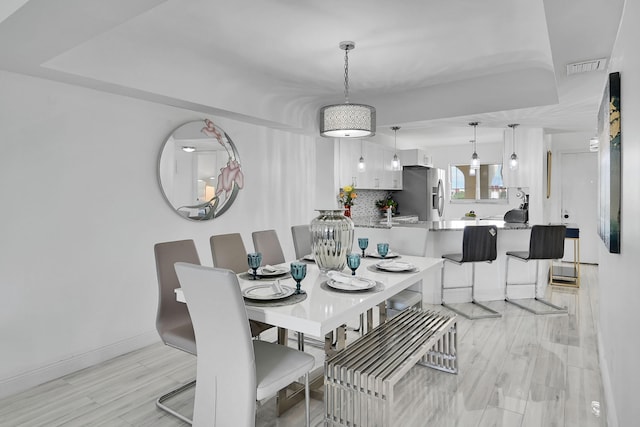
<point>363,243</point>
<point>298,272</point>
<point>254,260</point>
<point>383,249</point>
<point>353,261</point>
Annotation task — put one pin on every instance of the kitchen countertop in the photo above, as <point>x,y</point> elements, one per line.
<point>452,225</point>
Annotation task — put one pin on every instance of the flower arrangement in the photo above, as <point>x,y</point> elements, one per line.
<point>347,195</point>
<point>387,203</point>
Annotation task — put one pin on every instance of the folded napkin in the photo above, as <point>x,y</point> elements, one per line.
<point>270,269</point>
<point>356,282</point>
<point>396,265</point>
<point>277,288</point>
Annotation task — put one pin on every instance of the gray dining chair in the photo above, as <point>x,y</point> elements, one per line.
<point>267,243</point>
<point>228,251</point>
<point>173,321</point>
<point>545,242</point>
<point>301,240</point>
<point>229,382</point>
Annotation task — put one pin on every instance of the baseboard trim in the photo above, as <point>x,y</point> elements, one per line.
<point>612,416</point>
<point>37,376</point>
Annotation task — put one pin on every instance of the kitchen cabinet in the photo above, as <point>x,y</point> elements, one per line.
<point>378,174</point>
<point>415,157</point>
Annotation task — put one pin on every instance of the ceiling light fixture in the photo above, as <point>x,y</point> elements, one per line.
<point>362,166</point>
<point>513,162</point>
<point>475,160</point>
<point>347,120</point>
<point>188,149</point>
<point>395,163</point>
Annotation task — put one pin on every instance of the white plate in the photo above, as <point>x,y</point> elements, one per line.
<point>389,255</point>
<point>355,284</point>
<point>278,271</point>
<point>267,292</point>
<point>309,257</point>
<point>395,266</point>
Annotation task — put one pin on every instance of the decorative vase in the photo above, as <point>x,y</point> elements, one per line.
<point>347,211</point>
<point>331,239</point>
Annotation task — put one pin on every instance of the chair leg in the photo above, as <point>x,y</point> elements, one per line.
<point>555,308</point>
<point>160,402</point>
<point>490,312</point>
<point>306,400</point>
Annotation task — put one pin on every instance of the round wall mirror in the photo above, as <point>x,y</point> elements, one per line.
<point>199,170</point>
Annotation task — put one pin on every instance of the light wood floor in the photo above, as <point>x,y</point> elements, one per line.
<point>518,370</point>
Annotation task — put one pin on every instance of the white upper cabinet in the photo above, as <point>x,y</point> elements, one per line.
<point>378,174</point>
<point>415,157</point>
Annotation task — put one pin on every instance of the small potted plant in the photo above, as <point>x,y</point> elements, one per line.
<point>387,203</point>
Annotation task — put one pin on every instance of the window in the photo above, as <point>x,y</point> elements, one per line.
<point>485,185</point>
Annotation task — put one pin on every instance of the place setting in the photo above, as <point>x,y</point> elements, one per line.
<point>344,282</point>
<point>275,293</point>
<point>262,272</point>
<point>382,250</point>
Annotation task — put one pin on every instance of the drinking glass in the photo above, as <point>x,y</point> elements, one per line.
<point>298,272</point>
<point>254,259</point>
<point>363,243</point>
<point>353,261</point>
<point>383,249</point>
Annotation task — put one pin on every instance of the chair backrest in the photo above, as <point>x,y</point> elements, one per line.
<point>172,314</point>
<point>267,243</point>
<point>301,240</point>
<point>226,380</point>
<point>228,251</point>
<point>479,243</point>
<point>547,241</point>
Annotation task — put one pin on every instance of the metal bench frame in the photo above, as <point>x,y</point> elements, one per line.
<point>359,380</point>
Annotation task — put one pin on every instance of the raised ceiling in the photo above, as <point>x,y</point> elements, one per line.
<point>427,66</point>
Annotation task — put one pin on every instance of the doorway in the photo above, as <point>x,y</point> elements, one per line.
<point>578,203</point>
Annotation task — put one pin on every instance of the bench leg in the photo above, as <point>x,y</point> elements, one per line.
<point>443,356</point>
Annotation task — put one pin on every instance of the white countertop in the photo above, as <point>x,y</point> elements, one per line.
<point>323,310</point>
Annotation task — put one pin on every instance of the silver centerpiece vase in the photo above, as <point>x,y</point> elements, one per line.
<point>331,239</point>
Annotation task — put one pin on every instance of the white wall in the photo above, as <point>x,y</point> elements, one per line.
<point>619,290</point>
<point>81,211</point>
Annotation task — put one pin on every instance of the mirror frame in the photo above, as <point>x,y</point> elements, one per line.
<point>231,175</point>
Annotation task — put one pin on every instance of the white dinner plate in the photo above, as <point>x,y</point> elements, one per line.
<point>350,283</point>
<point>277,271</point>
<point>309,257</point>
<point>267,292</point>
<point>395,266</point>
<point>377,255</point>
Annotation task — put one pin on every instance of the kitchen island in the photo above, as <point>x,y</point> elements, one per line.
<point>435,238</point>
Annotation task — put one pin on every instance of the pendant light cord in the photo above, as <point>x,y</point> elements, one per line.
<point>346,76</point>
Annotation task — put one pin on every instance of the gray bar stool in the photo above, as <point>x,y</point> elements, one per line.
<point>546,242</point>
<point>478,245</point>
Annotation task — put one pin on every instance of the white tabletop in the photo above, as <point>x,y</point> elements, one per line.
<point>325,310</point>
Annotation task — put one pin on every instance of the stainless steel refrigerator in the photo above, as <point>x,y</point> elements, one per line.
<point>422,193</point>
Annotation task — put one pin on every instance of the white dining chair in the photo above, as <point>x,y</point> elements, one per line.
<point>233,370</point>
<point>301,240</point>
<point>267,243</point>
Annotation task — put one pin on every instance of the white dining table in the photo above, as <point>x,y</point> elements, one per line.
<point>324,309</point>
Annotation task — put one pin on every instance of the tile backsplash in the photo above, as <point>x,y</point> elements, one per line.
<point>365,204</point>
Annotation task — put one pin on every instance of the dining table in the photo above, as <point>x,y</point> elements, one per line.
<point>325,311</point>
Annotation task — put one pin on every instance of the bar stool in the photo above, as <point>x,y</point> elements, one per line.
<point>478,245</point>
<point>546,242</point>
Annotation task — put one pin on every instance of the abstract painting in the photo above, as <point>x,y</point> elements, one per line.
<point>610,136</point>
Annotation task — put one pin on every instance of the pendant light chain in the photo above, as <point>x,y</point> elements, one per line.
<point>346,76</point>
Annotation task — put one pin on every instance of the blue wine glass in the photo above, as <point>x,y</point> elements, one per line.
<point>254,259</point>
<point>383,249</point>
<point>363,243</point>
<point>353,261</point>
<point>298,272</point>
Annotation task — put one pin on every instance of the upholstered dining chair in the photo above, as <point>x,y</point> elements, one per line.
<point>230,381</point>
<point>228,251</point>
<point>301,240</point>
<point>267,243</point>
<point>173,321</point>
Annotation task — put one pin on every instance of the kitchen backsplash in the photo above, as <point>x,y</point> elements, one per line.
<point>365,204</point>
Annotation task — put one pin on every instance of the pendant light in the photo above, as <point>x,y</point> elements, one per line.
<point>474,164</point>
<point>472,170</point>
<point>362,166</point>
<point>395,162</point>
<point>513,162</point>
<point>347,120</point>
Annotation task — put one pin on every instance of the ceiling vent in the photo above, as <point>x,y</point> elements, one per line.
<point>586,66</point>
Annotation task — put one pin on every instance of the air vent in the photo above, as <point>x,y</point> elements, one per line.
<point>586,66</point>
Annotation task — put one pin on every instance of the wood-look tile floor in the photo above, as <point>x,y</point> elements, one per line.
<point>519,370</point>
